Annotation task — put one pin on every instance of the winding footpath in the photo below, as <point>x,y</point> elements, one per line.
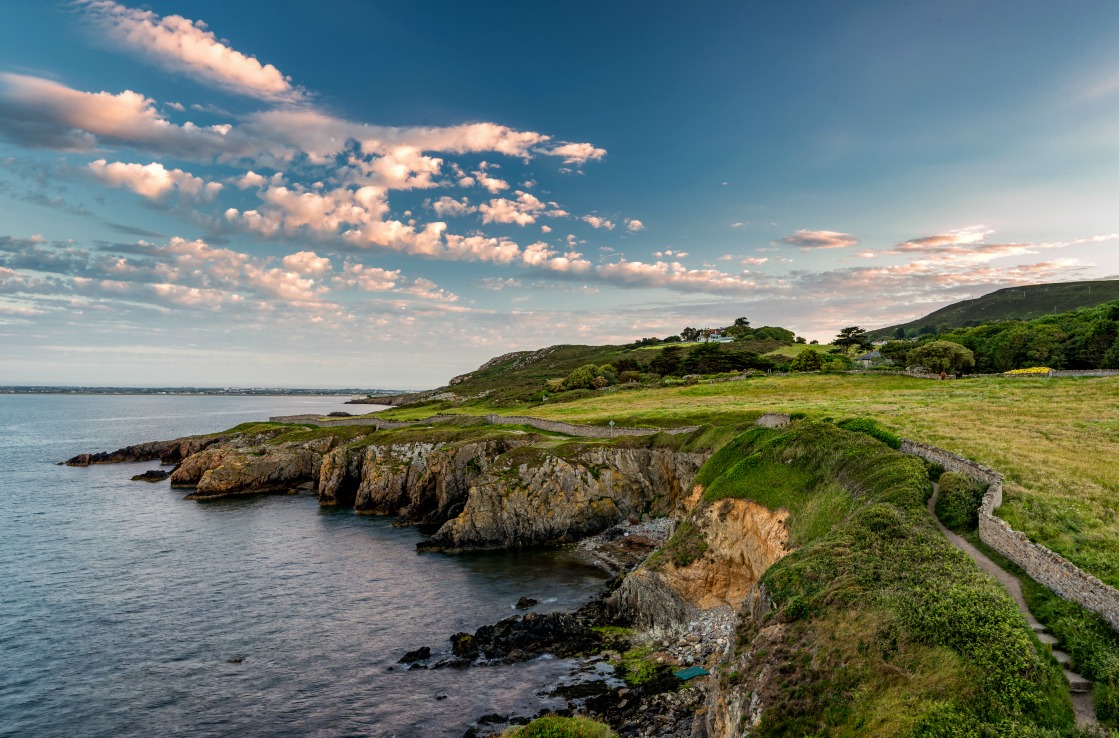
<point>1080,689</point>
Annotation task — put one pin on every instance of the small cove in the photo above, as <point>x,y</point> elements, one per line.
<point>129,611</point>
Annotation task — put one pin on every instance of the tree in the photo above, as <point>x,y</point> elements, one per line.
<point>899,333</point>
<point>806,361</point>
<point>581,378</point>
<point>707,358</point>
<point>944,356</point>
<point>851,337</point>
<point>741,323</point>
<point>775,333</point>
<point>690,335</point>
<point>897,351</point>
<point>667,362</point>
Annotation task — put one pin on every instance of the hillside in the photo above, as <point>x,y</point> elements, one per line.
<point>1012,303</point>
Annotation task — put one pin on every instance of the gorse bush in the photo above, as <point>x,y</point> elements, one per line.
<point>958,499</point>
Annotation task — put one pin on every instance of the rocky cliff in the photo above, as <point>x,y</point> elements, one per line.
<point>539,498</point>
<point>486,488</point>
<point>168,452</point>
<point>731,544</point>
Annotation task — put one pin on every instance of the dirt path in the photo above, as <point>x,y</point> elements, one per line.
<point>1080,689</point>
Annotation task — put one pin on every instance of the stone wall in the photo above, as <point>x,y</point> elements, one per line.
<point>585,431</point>
<point>774,420</point>
<point>554,426</point>
<point>1083,372</point>
<point>1044,566</point>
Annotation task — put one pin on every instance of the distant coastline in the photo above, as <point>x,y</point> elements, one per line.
<point>221,391</point>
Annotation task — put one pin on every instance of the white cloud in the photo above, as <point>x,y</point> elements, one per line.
<point>307,262</point>
<point>448,207</point>
<point>597,222</point>
<point>370,279</point>
<point>674,275</point>
<point>633,225</point>
<point>808,240</point>
<point>182,45</point>
<point>575,153</point>
<point>153,181</point>
<point>42,113</point>
<point>522,211</point>
<point>497,283</point>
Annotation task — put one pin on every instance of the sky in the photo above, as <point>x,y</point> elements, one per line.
<point>386,194</point>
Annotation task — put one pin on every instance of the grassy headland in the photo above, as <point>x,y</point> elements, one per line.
<point>1053,439</point>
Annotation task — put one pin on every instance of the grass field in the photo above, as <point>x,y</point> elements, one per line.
<point>1056,441</point>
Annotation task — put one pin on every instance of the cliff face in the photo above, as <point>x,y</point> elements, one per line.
<point>549,499</point>
<point>492,492</point>
<point>742,540</point>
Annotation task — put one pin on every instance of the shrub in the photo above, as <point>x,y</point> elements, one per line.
<point>553,726</point>
<point>943,356</point>
<point>958,500</point>
<point>806,361</point>
<point>872,429</point>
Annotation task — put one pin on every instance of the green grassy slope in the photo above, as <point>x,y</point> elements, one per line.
<point>1014,303</point>
<point>886,629</point>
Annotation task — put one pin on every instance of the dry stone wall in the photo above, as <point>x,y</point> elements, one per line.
<point>554,426</point>
<point>1044,566</point>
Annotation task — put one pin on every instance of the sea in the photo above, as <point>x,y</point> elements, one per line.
<point>126,610</point>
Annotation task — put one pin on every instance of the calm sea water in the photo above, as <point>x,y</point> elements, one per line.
<point>123,606</point>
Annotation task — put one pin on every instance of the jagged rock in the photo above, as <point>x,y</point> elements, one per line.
<point>463,646</point>
<point>547,499</point>
<point>526,637</point>
<point>152,475</point>
<point>423,482</point>
<point>421,653</point>
<point>223,471</point>
<point>168,452</point>
<point>526,602</point>
<point>340,476</point>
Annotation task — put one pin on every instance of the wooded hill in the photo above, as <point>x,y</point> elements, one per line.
<point>1012,303</point>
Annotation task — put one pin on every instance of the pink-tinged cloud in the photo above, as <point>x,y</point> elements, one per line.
<point>153,181</point>
<point>425,289</point>
<point>308,263</point>
<point>576,153</point>
<point>369,279</point>
<point>448,207</point>
<point>633,225</point>
<point>674,276</point>
<point>968,246</point>
<point>807,240</point>
<point>597,222</point>
<point>522,210</point>
<point>42,113</point>
<point>182,45</point>
<point>540,256</point>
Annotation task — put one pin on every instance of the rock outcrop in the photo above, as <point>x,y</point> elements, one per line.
<point>539,498</point>
<point>168,452</point>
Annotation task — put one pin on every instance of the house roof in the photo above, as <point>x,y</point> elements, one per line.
<point>870,356</point>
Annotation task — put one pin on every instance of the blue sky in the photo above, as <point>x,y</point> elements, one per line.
<point>350,193</point>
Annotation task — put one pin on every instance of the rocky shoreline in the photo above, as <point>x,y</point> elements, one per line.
<point>486,487</point>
